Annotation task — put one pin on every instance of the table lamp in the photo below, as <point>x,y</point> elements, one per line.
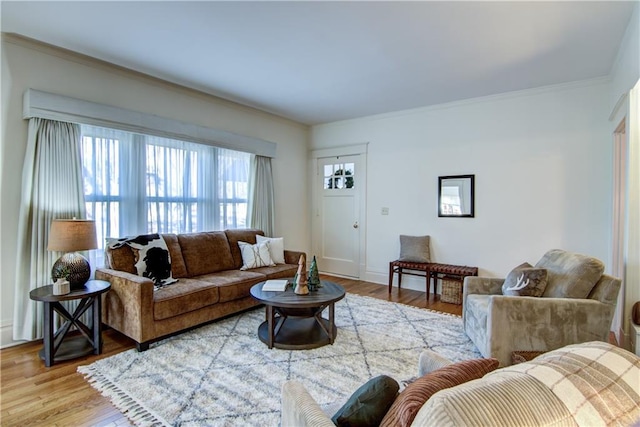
<point>71,235</point>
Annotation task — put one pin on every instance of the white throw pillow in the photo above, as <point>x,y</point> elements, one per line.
<point>254,256</point>
<point>276,247</point>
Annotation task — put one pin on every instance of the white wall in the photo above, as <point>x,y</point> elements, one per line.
<point>542,161</point>
<point>625,75</point>
<point>27,65</point>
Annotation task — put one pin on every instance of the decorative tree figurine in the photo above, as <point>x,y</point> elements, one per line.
<point>301,285</point>
<point>314,278</point>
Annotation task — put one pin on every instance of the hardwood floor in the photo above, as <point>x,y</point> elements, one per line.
<point>33,395</point>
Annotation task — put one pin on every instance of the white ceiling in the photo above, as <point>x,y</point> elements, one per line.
<point>318,62</point>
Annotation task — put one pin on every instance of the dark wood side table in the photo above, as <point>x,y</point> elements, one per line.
<point>295,322</point>
<point>56,347</point>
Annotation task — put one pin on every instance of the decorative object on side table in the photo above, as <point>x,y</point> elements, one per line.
<point>314,277</point>
<point>61,287</point>
<point>301,284</point>
<point>71,235</point>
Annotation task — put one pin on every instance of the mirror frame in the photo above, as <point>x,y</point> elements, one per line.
<point>471,181</point>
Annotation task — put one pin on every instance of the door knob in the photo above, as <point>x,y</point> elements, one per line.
<point>355,225</point>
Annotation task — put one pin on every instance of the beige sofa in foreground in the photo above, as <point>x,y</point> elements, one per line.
<point>210,285</point>
<point>589,384</point>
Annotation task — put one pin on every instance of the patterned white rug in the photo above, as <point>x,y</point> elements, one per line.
<point>223,375</point>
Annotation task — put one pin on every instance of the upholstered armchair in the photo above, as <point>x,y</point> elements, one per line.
<point>576,304</point>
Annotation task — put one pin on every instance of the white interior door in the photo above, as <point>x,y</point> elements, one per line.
<point>338,215</point>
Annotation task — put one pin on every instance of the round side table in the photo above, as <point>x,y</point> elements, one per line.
<point>56,347</point>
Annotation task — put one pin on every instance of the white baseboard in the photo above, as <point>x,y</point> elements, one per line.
<point>408,282</point>
<point>6,336</point>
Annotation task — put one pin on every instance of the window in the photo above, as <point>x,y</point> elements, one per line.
<point>136,184</point>
<point>339,176</point>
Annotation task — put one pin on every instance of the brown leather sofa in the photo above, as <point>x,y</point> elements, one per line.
<point>210,285</point>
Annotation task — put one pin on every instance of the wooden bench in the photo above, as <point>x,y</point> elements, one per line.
<point>430,271</point>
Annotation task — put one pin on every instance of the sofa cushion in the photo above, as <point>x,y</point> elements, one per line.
<point>368,404</point>
<point>233,284</point>
<point>279,271</point>
<point>206,252</point>
<point>406,406</point>
<point>497,399</point>
<point>254,256</point>
<point>182,297</point>
<point>596,381</point>
<point>240,235</point>
<point>570,275</point>
<point>178,268</point>
<point>525,281</point>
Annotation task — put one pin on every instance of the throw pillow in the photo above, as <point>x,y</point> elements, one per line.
<point>276,247</point>
<point>254,256</point>
<point>152,258</point>
<point>405,408</point>
<point>525,281</point>
<point>368,404</point>
<point>414,249</point>
<point>570,275</point>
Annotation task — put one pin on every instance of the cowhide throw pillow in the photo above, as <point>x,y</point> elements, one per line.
<point>152,257</point>
<point>254,256</point>
<point>525,281</point>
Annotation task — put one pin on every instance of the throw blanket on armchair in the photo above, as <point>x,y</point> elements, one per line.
<point>598,384</point>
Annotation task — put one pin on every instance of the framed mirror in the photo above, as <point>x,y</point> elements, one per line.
<point>455,196</point>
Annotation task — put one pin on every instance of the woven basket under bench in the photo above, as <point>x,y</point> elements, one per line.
<point>452,277</point>
<point>451,290</point>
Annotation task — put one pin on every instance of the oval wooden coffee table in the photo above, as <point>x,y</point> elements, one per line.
<point>295,322</point>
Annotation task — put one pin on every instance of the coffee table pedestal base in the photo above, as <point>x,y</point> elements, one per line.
<point>298,333</point>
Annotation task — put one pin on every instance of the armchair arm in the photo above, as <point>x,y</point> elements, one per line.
<point>128,306</point>
<point>543,324</point>
<point>482,285</point>
<point>479,285</point>
<point>299,409</point>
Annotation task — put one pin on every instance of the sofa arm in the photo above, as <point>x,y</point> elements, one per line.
<point>128,306</point>
<point>543,324</point>
<point>431,361</point>
<point>292,257</point>
<point>299,409</point>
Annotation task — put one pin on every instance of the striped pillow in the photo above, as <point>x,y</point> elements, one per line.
<point>406,406</point>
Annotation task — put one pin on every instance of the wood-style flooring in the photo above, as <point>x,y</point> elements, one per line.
<point>33,395</point>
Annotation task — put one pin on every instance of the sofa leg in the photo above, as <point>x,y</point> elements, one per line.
<point>142,346</point>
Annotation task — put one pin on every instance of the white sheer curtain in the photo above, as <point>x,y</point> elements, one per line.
<point>51,188</point>
<point>137,184</point>
<point>261,200</point>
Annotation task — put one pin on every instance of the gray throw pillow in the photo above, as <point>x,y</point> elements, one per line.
<point>525,281</point>
<point>414,249</point>
<point>368,405</point>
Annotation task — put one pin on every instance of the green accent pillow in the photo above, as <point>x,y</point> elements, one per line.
<point>369,404</point>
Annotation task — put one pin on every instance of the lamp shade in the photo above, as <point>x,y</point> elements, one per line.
<point>70,235</point>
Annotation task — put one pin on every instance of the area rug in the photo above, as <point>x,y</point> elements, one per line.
<point>222,375</point>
